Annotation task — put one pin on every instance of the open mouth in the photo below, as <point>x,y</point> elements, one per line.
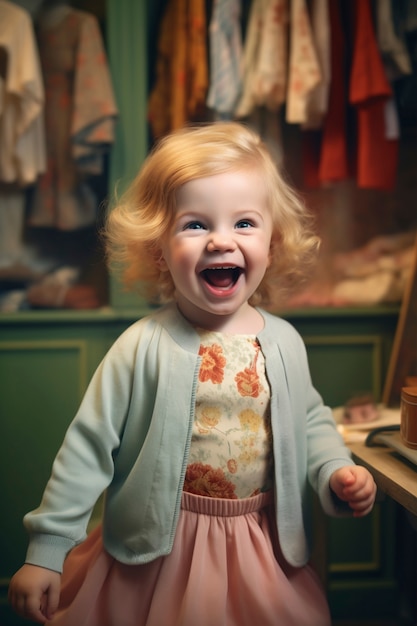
<point>222,277</point>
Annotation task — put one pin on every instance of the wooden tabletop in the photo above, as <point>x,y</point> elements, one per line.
<point>395,475</point>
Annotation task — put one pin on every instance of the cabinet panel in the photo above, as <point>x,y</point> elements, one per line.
<point>361,565</point>
<point>361,553</point>
<point>343,365</point>
<point>46,362</point>
<point>41,385</point>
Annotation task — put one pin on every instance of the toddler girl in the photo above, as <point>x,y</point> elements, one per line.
<point>201,424</point>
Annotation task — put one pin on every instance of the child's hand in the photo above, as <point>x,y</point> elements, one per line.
<point>354,485</point>
<point>34,592</point>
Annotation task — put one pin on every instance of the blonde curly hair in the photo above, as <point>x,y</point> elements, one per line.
<point>138,223</point>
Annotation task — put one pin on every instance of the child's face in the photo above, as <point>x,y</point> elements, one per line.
<point>217,250</point>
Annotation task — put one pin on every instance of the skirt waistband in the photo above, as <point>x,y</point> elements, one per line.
<point>224,507</point>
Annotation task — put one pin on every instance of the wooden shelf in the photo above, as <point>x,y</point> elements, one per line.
<point>394,475</point>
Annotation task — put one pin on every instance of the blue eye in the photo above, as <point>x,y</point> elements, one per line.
<point>244,224</point>
<point>194,226</point>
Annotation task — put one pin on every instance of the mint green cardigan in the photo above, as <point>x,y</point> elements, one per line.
<point>131,438</point>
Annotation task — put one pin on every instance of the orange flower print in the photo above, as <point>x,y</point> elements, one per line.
<point>232,466</point>
<point>207,418</point>
<point>212,365</point>
<point>248,383</point>
<point>205,480</point>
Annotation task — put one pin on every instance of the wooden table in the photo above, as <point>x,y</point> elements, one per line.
<point>394,475</point>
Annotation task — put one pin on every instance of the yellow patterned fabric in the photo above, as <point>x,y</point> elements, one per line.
<point>181,83</point>
<point>231,448</point>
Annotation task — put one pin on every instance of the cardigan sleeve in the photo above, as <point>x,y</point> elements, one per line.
<point>318,448</point>
<point>326,451</point>
<point>83,467</point>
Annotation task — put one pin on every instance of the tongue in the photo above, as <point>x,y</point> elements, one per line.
<point>220,278</point>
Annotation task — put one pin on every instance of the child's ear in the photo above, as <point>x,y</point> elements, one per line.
<point>161,263</point>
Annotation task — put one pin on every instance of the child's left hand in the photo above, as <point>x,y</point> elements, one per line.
<point>354,485</point>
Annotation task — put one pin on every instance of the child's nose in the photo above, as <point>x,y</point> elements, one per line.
<point>220,242</point>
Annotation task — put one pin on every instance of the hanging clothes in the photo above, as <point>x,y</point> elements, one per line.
<point>22,133</point>
<point>80,115</point>
<point>304,68</point>
<point>181,84</point>
<point>392,46</point>
<point>369,91</point>
<point>325,151</point>
<point>318,99</point>
<point>265,57</point>
<point>333,163</point>
<point>395,58</point>
<point>226,57</point>
<point>265,62</point>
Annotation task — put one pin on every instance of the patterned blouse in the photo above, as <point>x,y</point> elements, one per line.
<point>231,447</point>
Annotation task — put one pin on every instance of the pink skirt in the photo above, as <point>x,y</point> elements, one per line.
<point>225,569</point>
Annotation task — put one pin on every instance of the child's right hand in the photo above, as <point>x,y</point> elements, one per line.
<point>34,592</point>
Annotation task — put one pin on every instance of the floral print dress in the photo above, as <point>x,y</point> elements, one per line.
<point>231,448</point>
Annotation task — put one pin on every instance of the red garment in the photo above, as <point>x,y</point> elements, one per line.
<point>325,154</point>
<point>333,159</point>
<point>369,91</point>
